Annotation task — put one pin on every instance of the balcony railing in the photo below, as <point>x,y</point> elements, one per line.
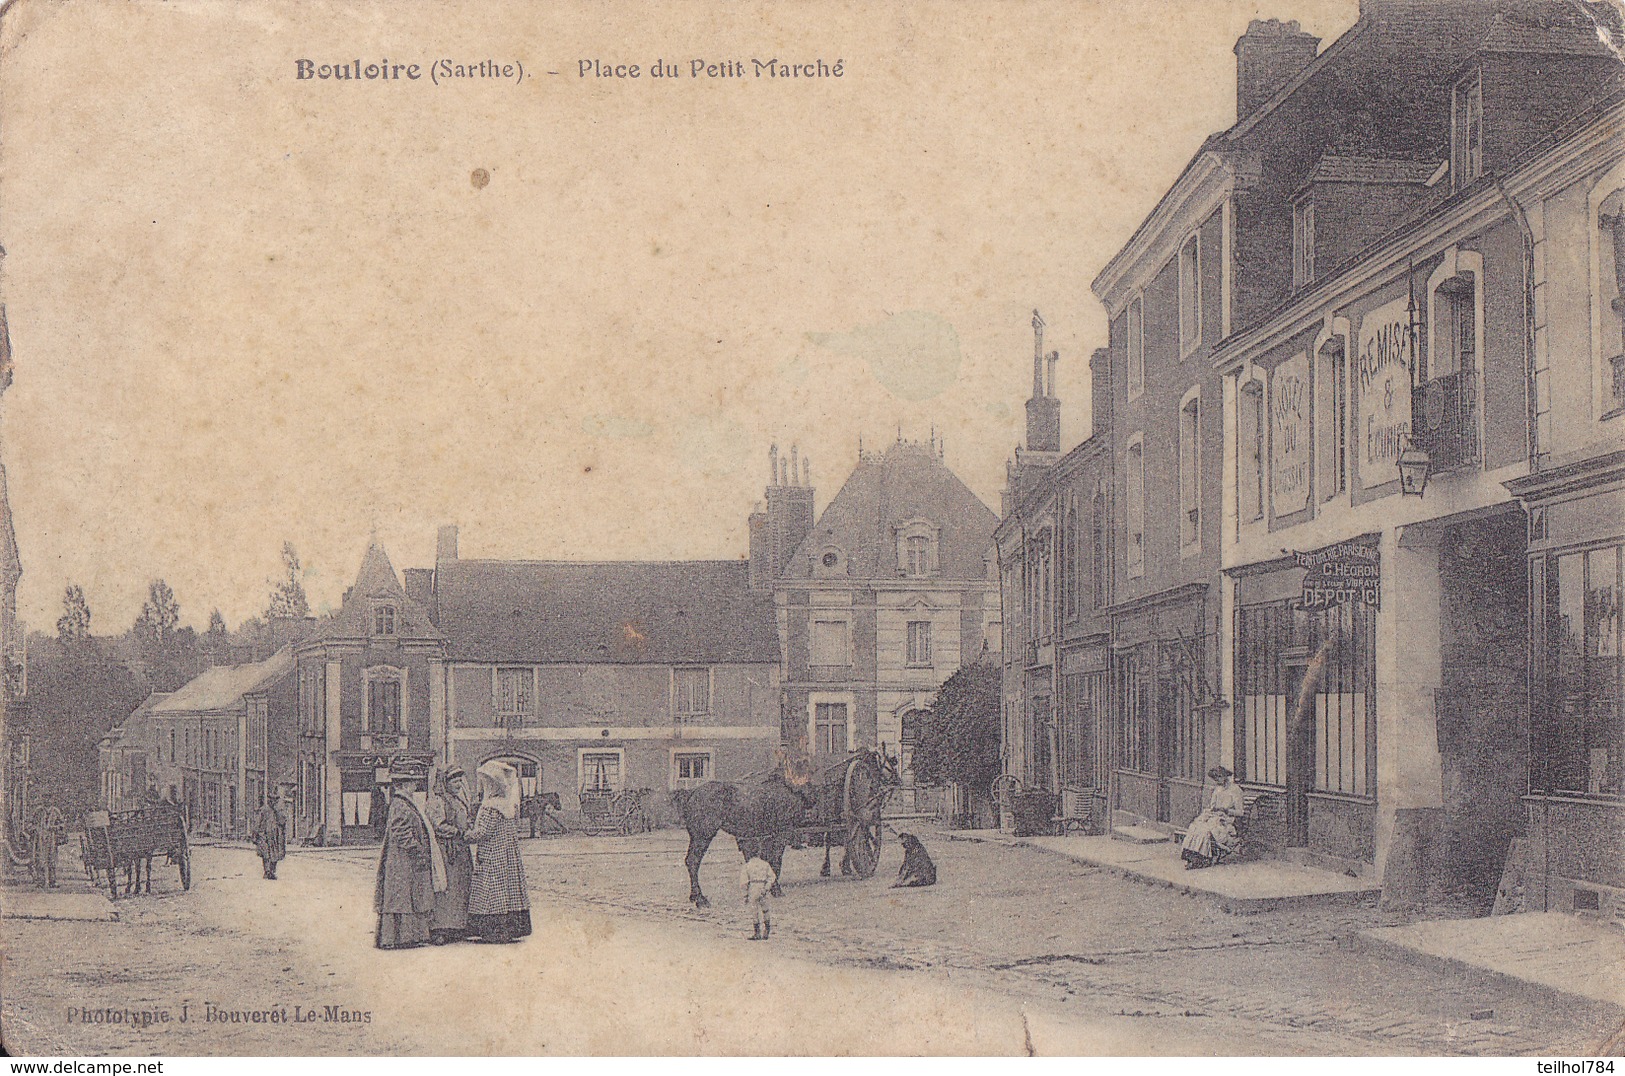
<point>1444,420</point>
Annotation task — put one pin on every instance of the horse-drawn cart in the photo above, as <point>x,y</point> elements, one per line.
<point>797,805</point>
<point>129,840</point>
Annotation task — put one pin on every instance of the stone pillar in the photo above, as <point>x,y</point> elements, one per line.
<point>439,730</point>
<point>1410,790</point>
<point>1227,671</point>
<point>333,809</point>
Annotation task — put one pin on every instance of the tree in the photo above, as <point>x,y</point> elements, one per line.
<point>959,735</point>
<point>160,615</point>
<point>73,627</point>
<point>288,593</point>
<point>217,626</point>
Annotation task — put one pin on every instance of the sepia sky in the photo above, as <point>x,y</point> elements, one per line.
<point>246,308</point>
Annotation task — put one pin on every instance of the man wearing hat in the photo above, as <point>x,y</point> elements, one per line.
<point>270,833</point>
<point>1213,832</point>
<point>411,869</point>
<point>449,811</point>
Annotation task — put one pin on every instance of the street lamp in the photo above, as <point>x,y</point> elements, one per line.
<point>1414,468</point>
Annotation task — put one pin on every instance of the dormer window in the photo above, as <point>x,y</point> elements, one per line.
<point>383,620</point>
<point>1303,244</point>
<point>917,549</point>
<point>1467,131</point>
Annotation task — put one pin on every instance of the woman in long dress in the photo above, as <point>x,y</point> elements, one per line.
<point>410,869</point>
<point>448,810</point>
<point>1213,832</point>
<point>499,903</point>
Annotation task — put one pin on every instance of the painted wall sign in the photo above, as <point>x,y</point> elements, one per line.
<point>1350,572</point>
<point>1383,380</point>
<point>1289,436</point>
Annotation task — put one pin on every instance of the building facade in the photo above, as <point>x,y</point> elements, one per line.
<point>885,595</point>
<point>607,676</point>
<point>1054,543</point>
<point>219,742</point>
<point>125,758</point>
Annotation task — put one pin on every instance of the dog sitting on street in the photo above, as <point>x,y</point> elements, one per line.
<point>917,869</point>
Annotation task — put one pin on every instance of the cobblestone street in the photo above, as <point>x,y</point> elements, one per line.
<point>1014,950</point>
<point>1035,925</point>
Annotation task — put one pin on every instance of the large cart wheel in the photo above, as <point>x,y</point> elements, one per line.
<point>183,859</point>
<point>863,847</point>
<point>861,812</point>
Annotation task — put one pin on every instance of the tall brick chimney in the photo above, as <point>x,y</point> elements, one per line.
<point>1267,56</point>
<point>1043,409</point>
<point>776,533</point>
<point>1100,392</point>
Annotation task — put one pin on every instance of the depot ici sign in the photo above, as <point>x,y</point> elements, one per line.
<point>1349,572</point>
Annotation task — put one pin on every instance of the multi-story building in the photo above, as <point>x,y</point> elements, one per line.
<point>881,600</point>
<point>1379,304</point>
<point>607,676</point>
<point>370,685</point>
<point>220,741</point>
<point>1054,549</point>
<point>125,757</point>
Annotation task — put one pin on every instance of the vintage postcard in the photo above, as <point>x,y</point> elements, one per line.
<point>1085,528</point>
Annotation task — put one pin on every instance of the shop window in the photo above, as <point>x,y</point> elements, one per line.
<point>1136,348</point>
<point>1467,134</point>
<point>1134,488</point>
<point>692,688</point>
<point>830,728</point>
<point>919,643</point>
<point>516,697</point>
<point>600,771</point>
<point>356,796</point>
<point>1084,693</point>
<point>1134,694</point>
<point>1278,646</point>
<point>690,769</point>
<point>1331,420</point>
<point>1190,296</point>
<point>1190,474</point>
<point>1250,451</point>
<point>1579,736</point>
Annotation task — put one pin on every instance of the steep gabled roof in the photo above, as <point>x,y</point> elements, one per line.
<point>134,729</point>
<point>376,580</point>
<point>221,687</point>
<point>909,482</point>
<point>625,612</point>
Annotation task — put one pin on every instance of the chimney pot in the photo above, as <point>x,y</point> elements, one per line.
<point>1268,56</point>
<point>445,548</point>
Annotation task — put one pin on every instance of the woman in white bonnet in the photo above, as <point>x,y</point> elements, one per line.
<point>498,904</point>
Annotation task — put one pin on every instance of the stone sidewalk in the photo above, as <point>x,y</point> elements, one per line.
<point>1564,954</point>
<point>1242,888</point>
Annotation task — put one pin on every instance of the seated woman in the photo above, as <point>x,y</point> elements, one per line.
<point>1212,833</point>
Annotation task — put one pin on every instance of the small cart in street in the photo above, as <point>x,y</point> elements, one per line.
<point>129,841</point>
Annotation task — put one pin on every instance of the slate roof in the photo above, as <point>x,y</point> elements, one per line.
<point>1573,37</point>
<point>134,730</point>
<point>624,612</point>
<point>376,579</point>
<point>908,482</point>
<point>221,687</point>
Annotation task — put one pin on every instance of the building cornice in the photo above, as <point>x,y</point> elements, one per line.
<point>1201,188</point>
<point>1581,475</point>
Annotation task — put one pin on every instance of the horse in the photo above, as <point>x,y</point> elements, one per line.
<point>760,813</point>
<point>763,813</point>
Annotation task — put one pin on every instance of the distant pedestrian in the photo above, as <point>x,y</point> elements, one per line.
<point>270,834</point>
<point>757,878</point>
<point>410,867</point>
<point>448,810</point>
<point>498,903</point>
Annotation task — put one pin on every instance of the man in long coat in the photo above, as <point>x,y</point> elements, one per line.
<point>410,870</point>
<point>449,811</point>
<point>270,834</point>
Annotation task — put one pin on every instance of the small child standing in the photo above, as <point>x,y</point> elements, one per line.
<point>757,878</point>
